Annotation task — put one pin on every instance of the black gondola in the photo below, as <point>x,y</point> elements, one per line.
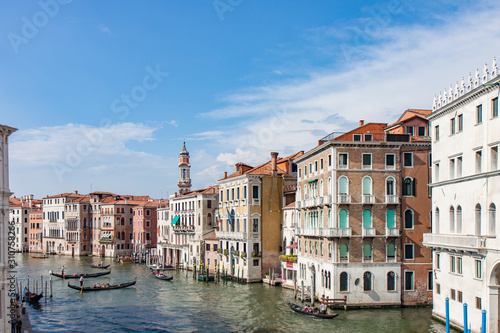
<point>162,276</point>
<point>32,297</point>
<point>99,266</point>
<point>317,314</point>
<point>77,275</point>
<point>97,287</point>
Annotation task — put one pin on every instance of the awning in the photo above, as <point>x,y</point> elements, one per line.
<point>175,220</point>
<point>312,181</point>
<point>293,246</point>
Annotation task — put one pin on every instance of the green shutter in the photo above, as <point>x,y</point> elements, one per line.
<point>390,219</point>
<point>367,186</point>
<point>343,250</point>
<point>343,218</point>
<point>367,250</point>
<point>342,185</point>
<point>367,218</point>
<point>391,250</point>
<point>413,187</point>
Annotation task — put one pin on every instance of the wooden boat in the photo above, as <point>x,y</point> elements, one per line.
<point>103,286</point>
<point>300,309</point>
<point>99,266</point>
<point>125,260</point>
<point>204,278</point>
<point>162,276</point>
<point>77,275</point>
<point>32,297</point>
<point>40,257</point>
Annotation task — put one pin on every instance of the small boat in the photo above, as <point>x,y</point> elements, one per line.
<point>300,309</point>
<point>77,275</point>
<point>33,298</point>
<point>204,278</point>
<point>99,266</point>
<point>125,260</point>
<point>40,257</point>
<point>162,276</point>
<point>103,286</point>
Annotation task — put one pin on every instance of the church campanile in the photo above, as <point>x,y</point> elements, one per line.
<point>184,183</point>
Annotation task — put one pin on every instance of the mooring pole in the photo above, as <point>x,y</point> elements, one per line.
<point>483,328</point>
<point>465,317</point>
<point>447,300</point>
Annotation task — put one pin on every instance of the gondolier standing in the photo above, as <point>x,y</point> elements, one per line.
<point>81,281</point>
<point>62,270</point>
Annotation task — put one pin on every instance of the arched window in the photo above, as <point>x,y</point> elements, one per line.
<point>305,246</point>
<point>84,223</point>
<point>367,186</point>
<point>390,219</point>
<point>391,252</point>
<point>390,188</point>
<point>344,252</point>
<point>343,188</point>
<point>459,219</point>
<point>478,220</point>
<point>492,220</point>
<point>321,248</point>
<point>321,188</point>
<point>329,250</point>
<point>436,220</point>
<point>452,219</point>
<point>344,281</point>
<point>367,252</point>
<point>330,219</point>
<point>408,186</point>
<point>209,219</point>
<point>343,222</point>
<point>391,281</point>
<point>321,221</point>
<point>329,186</point>
<point>123,235</point>
<point>367,281</point>
<point>305,192</point>
<point>367,218</point>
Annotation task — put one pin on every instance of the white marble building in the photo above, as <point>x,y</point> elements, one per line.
<point>465,130</point>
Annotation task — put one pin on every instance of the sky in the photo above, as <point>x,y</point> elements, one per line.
<point>104,94</point>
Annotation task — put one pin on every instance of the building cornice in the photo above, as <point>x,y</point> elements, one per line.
<point>467,178</point>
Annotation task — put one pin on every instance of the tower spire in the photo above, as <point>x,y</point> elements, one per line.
<point>184,182</point>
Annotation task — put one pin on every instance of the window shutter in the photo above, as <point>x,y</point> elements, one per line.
<point>367,250</point>
<point>390,218</point>
<point>391,250</point>
<point>343,250</point>
<point>413,187</point>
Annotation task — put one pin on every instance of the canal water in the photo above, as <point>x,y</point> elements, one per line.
<point>184,305</point>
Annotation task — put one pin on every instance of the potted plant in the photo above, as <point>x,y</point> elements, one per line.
<point>219,251</point>
<point>243,255</point>
<point>226,252</point>
<point>236,253</point>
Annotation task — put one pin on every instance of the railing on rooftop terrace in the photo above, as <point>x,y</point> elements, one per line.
<point>331,136</point>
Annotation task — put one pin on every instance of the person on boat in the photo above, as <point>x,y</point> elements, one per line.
<point>81,281</point>
<point>102,263</point>
<point>62,270</point>
<point>307,308</point>
<point>322,308</point>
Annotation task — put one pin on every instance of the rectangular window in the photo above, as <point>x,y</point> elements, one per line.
<point>459,265</point>
<point>430,278</point>
<point>238,193</point>
<point>367,161</point>
<point>438,288</point>
<point>421,130</point>
<point>315,166</point>
<point>255,192</point>
<point>329,160</point>
<point>343,161</point>
<point>408,159</point>
<point>208,247</point>
<point>390,161</point>
<point>409,130</point>
<point>452,265</point>
<point>452,294</point>
<point>494,158</point>
<point>452,126</point>
<point>436,172</point>
<point>436,133</point>
<point>478,269</point>
<point>460,122</point>
<point>478,303</point>
<point>409,252</point>
<point>305,170</point>
<point>479,157</point>
<point>255,225</point>
<point>452,168</point>
<point>459,296</point>
<point>459,166</point>
<point>321,164</point>
<point>232,194</point>
<point>368,137</point>
<point>310,168</point>
<point>438,261</point>
<point>494,107</point>
<point>409,283</point>
<point>479,114</point>
<point>357,137</point>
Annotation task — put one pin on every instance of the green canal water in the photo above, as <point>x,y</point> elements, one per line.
<point>184,305</point>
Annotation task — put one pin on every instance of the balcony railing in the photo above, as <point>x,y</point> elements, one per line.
<point>368,199</point>
<point>231,235</point>
<point>344,199</point>
<point>392,232</point>
<point>459,242</point>
<point>183,229</point>
<point>326,200</point>
<point>368,231</point>
<point>391,199</point>
<point>336,232</point>
<point>344,259</point>
<point>309,231</point>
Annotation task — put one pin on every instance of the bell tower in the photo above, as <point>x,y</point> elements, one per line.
<point>184,182</point>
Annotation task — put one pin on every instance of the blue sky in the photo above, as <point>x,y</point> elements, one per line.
<point>104,93</point>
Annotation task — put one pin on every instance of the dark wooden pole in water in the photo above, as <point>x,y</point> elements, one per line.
<point>28,283</point>
<point>20,290</point>
<point>45,291</point>
<point>41,284</point>
<point>51,287</point>
<point>36,287</point>
<point>207,274</point>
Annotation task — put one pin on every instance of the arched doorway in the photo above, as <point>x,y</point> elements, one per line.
<point>72,250</point>
<point>494,299</point>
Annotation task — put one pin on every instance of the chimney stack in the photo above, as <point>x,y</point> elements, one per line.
<point>76,192</point>
<point>225,174</point>
<point>274,163</point>
<point>361,122</point>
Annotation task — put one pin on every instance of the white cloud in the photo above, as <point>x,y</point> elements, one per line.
<point>105,29</point>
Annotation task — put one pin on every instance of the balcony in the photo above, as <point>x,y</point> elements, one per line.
<point>368,199</point>
<point>368,232</point>
<point>337,232</point>
<point>183,229</point>
<point>309,231</point>
<point>344,199</point>
<point>255,202</point>
<point>231,235</point>
<point>391,199</point>
<point>325,200</point>
<point>392,232</point>
<point>457,242</point>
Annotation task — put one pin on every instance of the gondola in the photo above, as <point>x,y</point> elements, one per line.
<point>40,257</point>
<point>33,298</point>
<point>204,278</point>
<point>162,276</point>
<point>316,314</point>
<point>77,275</point>
<point>99,266</point>
<point>97,287</point>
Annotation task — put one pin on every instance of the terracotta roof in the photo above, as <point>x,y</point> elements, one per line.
<point>290,205</point>
<point>376,129</point>
<point>214,189</point>
<point>213,237</point>
<point>409,114</point>
<point>65,195</point>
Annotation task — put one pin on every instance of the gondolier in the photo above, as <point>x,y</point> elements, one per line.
<point>81,281</point>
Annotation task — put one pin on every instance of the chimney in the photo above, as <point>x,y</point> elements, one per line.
<point>76,192</point>
<point>274,163</point>
<point>225,174</point>
<point>361,122</point>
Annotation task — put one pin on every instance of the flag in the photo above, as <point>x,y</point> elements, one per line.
<point>219,220</point>
<point>229,217</point>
